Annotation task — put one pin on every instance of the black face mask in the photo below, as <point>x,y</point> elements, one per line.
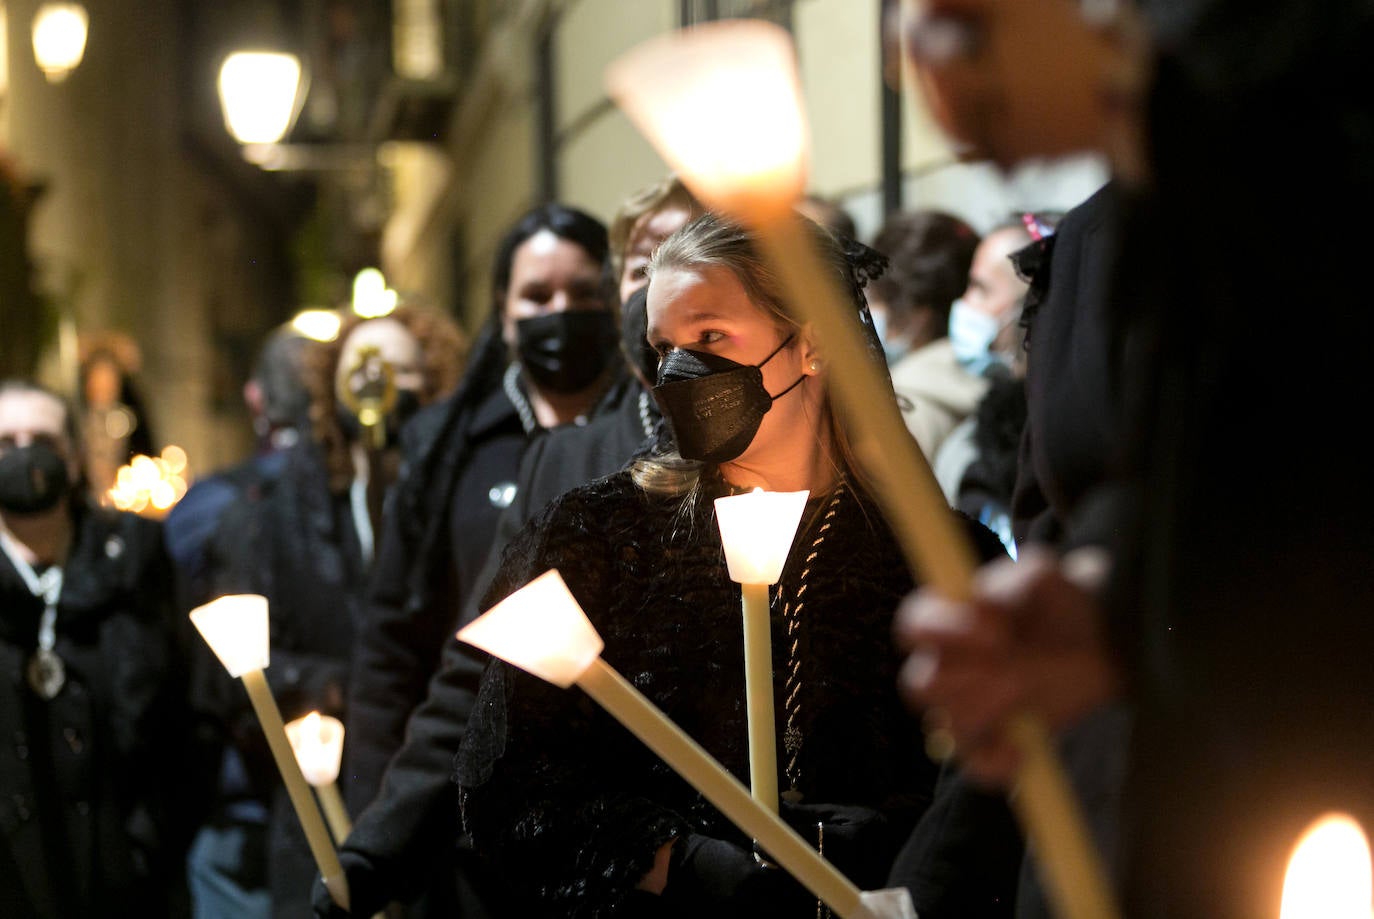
<point>713,404</point>
<point>32,479</point>
<point>566,352</point>
<point>402,410</point>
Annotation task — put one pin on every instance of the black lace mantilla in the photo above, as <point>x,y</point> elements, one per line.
<point>568,804</point>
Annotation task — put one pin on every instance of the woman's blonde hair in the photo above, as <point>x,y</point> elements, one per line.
<point>711,241</point>
<point>662,195</point>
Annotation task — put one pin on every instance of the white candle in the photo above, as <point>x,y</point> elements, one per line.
<point>757,530</point>
<point>236,629</point>
<point>318,744</point>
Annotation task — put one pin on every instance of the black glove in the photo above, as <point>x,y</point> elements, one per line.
<point>364,897</point>
<point>719,876</point>
<point>860,841</point>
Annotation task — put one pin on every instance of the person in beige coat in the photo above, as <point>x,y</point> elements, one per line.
<point>940,384</point>
<point>931,254</point>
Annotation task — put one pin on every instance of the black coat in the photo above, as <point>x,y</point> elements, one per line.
<point>1244,595</point>
<point>569,456</point>
<point>414,613</point>
<point>1071,441</point>
<point>463,463</point>
<point>90,817</point>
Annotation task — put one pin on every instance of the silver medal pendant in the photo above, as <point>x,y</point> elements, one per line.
<point>46,674</point>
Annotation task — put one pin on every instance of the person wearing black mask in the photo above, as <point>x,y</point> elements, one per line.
<point>545,357</point>
<point>90,704</point>
<point>574,455</point>
<point>307,543</point>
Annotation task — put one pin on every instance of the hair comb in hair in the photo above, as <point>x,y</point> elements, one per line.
<point>865,263</point>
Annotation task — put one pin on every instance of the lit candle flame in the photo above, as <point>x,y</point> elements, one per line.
<point>1329,872</point>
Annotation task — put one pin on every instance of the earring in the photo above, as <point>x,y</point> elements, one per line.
<point>815,365</point>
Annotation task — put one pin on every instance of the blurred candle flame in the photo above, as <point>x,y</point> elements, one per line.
<point>1329,874</point>
<point>150,485</point>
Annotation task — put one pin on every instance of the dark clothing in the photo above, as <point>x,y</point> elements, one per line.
<point>90,814</point>
<point>190,527</point>
<point>298,546</point>
<point>425,569</point>
<point>395,836</point>
<point>227,863</point>
<point>567,457</point>
<point>989,480</point>
<point>1242,600</point>
<point>963,859</point>
<point>568,807</point>
<point>1244,560</point>
<point>1073,380</point>
<point>407,841</point>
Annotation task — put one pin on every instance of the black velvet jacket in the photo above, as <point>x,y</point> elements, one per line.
<point>569,807</point>
<point>93,818</point>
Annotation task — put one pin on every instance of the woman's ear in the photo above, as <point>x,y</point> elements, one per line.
<point>808,351</point>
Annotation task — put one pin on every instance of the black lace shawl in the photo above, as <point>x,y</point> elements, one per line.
<point>568,805</point>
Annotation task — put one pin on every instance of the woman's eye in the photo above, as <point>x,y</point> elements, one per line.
<point>710,337</point>
<point>536,295</point>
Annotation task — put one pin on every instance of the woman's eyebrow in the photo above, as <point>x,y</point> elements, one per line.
<point>704,315</point>
<point>692,318</point>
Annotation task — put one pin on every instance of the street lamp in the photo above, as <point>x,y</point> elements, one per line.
<point>258,92</point>
<point>59,38</point>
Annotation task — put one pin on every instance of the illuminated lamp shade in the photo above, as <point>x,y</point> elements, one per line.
<point>757,530</point>
<point>1329,872</point>
<point>235,628</point>
<point>541,629</point>
<point>59,38</point>
<point>257,91</point>
<point>722,103</point>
